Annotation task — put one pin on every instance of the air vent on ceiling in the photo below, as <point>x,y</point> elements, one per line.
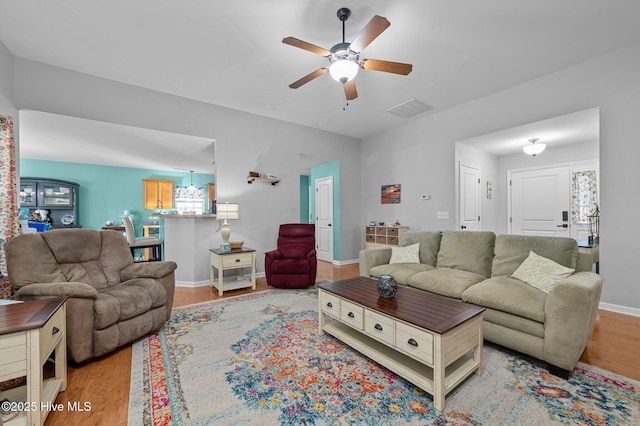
<point>410,108</point>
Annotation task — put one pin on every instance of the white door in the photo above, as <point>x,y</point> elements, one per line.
<point>540,202</point>
<point>324,219</point>
<point>469,181</point>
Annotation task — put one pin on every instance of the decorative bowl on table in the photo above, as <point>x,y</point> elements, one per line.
<point>236,244</point>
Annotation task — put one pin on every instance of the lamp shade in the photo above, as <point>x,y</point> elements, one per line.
<point>228,211</point>
<point>343,70</point>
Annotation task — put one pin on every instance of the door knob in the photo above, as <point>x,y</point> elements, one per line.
<point>564,225</point>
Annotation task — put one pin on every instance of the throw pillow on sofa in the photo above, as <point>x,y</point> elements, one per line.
<point>540,272</point>
<point>408,254</point>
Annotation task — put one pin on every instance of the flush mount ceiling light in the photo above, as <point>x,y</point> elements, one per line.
<point>534,148</point>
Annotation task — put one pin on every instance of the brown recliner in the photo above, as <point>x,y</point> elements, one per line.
<point>112,300</point>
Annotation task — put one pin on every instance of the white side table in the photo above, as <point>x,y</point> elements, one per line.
<point>30,333</point>
<point>235,259</point>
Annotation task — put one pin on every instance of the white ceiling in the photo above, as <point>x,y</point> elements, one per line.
<point>232,55</point>
<point>577,127</point>
<point>45,136</point>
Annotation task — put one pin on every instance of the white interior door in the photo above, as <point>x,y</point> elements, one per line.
<point>469,181</point>
<point>540,202</point>
<point>324,219</point>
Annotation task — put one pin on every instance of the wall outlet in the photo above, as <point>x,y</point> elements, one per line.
<point>442,215</point>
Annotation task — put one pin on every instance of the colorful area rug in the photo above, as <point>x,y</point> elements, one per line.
<point>258,360</point>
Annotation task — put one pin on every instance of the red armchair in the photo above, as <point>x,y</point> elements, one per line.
<point>293,264</point>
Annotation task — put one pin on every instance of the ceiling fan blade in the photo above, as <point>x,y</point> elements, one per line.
<point>350,91</point>
<point>373,29</point>
<point>292,41</point>
<point>386,66</point>
<point>307,78</point>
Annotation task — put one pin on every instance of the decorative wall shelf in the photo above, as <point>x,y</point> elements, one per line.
<point>251,179</point>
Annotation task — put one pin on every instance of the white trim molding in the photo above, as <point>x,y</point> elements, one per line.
<point>620,309</point>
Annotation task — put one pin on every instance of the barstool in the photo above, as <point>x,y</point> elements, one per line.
<point>154,244</point>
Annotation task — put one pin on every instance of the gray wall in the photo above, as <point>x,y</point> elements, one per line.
<point>6,83</point>
<point>420,155</point>
<point>243,142</point>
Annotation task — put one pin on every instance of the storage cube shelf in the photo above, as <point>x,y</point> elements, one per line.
<point>381,236</point>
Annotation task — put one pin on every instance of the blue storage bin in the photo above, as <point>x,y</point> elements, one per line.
<point>39,226</point>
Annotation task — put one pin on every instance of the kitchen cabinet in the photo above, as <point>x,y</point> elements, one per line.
<point>158,194</point>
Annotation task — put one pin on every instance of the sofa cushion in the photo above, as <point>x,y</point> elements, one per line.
<point>401,272</point>
<point>89,272</point>
<point>120,303</point>
<point>467,250</point>
<point>445,281</point>
<point>540,272</point>
<point>408,254</point>
<point>512,250</point>
<point>290,266</point>
<point>155,289</point>
<point>429,244</point>
<point>514,322</point>
<point>508,295</point>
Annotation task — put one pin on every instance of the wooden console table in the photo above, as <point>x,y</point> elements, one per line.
<point>30,333</point>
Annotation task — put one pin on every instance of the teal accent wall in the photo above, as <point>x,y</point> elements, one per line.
<point>321,171</point>
<point>105,192</point>
<point>304,199</point>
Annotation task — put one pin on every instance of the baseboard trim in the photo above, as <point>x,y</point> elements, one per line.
<point>620,309</point>
<point>345,262</point>
<point>192,283</point>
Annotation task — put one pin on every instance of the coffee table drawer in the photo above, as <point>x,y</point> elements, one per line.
<point>330,304</point>
<point>352,314</point>
<point>379,327</point>
<point>414,342</point>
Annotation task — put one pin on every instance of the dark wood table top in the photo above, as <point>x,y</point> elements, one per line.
<point>233,251</point>
<point>421,308</point>
<point>28,315</point>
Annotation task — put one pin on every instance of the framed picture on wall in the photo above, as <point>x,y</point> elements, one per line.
<point>390,194</point>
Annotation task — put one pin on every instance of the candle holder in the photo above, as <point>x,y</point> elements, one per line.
<point>387,286</point>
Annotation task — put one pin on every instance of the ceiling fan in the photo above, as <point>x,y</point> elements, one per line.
<point>344,58</point>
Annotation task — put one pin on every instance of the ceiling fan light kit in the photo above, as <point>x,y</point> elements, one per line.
<point>343,70</point>
<point>344,58</point>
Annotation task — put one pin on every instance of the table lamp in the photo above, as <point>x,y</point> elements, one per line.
<point>227,211</point>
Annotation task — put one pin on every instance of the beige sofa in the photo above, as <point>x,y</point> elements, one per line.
<point>112,300</point>
<point>476,267</point>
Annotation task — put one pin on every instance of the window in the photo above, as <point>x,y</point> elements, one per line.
<point>584,195</point>
<point>189,199</point>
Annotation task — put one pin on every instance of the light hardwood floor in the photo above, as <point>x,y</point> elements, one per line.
<point>104,382</point>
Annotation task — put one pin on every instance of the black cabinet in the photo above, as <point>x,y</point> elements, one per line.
<point>59,197</point>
